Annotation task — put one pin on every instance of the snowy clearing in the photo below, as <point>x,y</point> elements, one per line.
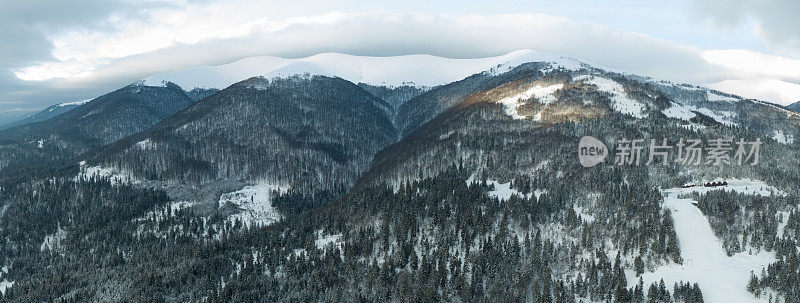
<point>782,138</point>
<point>323,241</point>
<point>88,172</point>
<point>146,144</point>
<point>711,96</point>
<point>54,240</point>
<point>503,191</point>
<point>254,203</point>
<point>5,284</point>
<point>723,117</point>
<point>79,102</point>
<point>677,111</point>
<point>742,186</point>
<point>580,211</point>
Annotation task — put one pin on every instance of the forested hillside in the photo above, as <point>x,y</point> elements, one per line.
<point>101,121</point>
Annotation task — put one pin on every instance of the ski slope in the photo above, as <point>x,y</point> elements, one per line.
<point>722,278</point>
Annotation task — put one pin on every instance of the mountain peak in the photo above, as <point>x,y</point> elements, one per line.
<point>407,70</point>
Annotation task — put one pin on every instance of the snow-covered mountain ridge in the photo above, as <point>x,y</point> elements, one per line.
<point>416,70</point>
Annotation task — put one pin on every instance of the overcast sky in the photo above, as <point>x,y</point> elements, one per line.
<point>58,51</point>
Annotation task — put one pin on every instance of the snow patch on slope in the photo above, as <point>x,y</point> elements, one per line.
<point>772,90</point>
<point>542,93</point>
<point>714,97</point>
<point>254,204</point>
<point>503,191</point>
<point>724,117</point>
<point>323,241</point>
<point>742,186</point>
<point>4,285</point>
<point>585,216</point>
<point>54,240</point>
<point>782,138</point>
<point>679,112</point>
<point>146,144</point>
<point>619,99</point>
<point>115,176</point>
<point>76,103</point>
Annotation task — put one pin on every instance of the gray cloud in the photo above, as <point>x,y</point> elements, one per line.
<point>368,33</point>
<point>385,34</point>
<point>25,38</point>
<point>776,20</point>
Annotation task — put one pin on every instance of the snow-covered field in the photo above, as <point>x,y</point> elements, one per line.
<point>679,112</point>
<point>742,186</point>
<point>503,191</point>
<point>254,203</point>
<point>711,96</point>
<point>722,278</point>
<point>324,241</point>
<point>52,241</point>
<point>782,138</point>
<point>79,102</point>
<point>5,283</point>
<point>87,172</point>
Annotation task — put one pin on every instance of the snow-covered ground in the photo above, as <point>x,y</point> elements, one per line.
<point>542,93</point>
<point>679,112</point>
<point>254,203</point>
<point>87,172</point>
<point>722,278</point>
<point>418,70</point>
<point>54,240</point>
<point>5,283</point>
<point>503,191</point>
<point>582,212</point>
<point>619,99</point>
<point>724,117</point>
<point>323,241</point>
<point>782,138</point>
<point>772,90</point>
<point>146,144</point>
<point>742,186</point>
<point>711,96</point>
<point>80,102</point>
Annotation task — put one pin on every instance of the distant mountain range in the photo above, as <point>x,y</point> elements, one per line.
<point>47,113</point>
<point>794,106</point>
<point>89,125</point>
